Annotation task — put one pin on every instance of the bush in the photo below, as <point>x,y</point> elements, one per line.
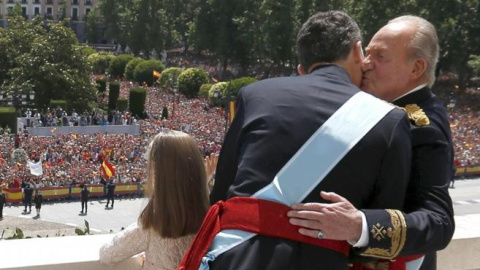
<point>169,78</point>
<point>122,104</point>
<point>143,73</point>
<point>221,87</point>
<point>190,80</point>
<point>54,103</point>
<point>8,116</point>
<point>113,95</point>
<point>100,62</point>
<point>235,85</point>
<point>130,68</point>
<point>165,112</point>
<point>101,85</point>
<point>118,64</point>
<point>204,90</point>
<point>138,96</point>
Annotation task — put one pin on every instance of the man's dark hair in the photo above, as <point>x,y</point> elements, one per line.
<point>326,37</point>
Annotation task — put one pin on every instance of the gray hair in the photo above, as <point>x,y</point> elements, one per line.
<point>424,43</point>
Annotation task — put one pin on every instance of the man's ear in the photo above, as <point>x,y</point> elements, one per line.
<point>358,52</point>
<point>301,70</point>
<point>419,67</point>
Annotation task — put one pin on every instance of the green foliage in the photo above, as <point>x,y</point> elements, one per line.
<point>474,63</point>
<point>169,78</point>
<point>83,231</point>
<point>91,26</point>
<point>137,100</point>
<point>118,64</point>
<point>122,104</point>
<point>101,85</point>
<point>165,112</point>
<point>113,94</point>
<point>204,90</point>
<point>8,116</point>
<point>235,85</point>
<point>100,62</point>
<point>190,80</point>
<point>130,68</point>
<point>143,73</point>
<point>221,89</point>
<point>59,103</point>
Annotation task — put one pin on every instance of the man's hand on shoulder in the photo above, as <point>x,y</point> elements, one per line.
<point>338,220</point>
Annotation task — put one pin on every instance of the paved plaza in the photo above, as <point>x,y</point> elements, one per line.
<point>62,217</point>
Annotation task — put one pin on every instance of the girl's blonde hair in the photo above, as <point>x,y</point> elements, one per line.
<point>176,186</point>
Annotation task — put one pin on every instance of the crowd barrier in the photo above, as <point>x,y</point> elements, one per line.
<point>84,130</point>
<point>467,170</point>
<point>15,195</point>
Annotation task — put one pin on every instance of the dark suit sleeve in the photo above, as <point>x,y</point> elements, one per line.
<point>428,211</point>
<point>227,162</point>
<point>390,192</point>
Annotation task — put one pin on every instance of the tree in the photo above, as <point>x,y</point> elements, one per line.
<point>118,64</point>
<point>91,26</point>
<point>49,62</point>
<point>143,72</point>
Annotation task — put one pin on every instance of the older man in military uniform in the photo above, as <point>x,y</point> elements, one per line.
<point>400,67</point>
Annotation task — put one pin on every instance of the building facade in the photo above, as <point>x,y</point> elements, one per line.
<point>76,10</point>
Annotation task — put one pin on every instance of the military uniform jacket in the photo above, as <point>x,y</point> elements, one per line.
<point>274,119</point>
<point>428,211</point>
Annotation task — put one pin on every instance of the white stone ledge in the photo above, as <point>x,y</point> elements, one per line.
<point>55,253</point>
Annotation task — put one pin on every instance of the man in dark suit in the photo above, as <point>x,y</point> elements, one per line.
<point>110,193</point>
<point>276,117</point>
<point>28,194</point>
<point>399,67</point>
<point>84,198</point>
<point>2,200</point>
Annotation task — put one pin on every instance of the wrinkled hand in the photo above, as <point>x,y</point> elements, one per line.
<point>338,220</point>
<point>210,165</point>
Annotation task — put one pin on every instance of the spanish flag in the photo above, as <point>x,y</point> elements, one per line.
<point>156,74</point>
<point>231,111</point>
<point>107,169</point>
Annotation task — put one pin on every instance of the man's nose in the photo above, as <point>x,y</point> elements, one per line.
<point>367,64</point>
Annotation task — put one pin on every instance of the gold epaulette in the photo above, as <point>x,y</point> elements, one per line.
<point>416,115</point>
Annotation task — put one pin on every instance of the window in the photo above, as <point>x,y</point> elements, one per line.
<point>37,2</point>
<point>74,2</point>
<point>24,1</point>
<point>88,2</point>
<point>87,10</point>
<point>24,11</point>
<point>49,10</point>
<point>75,14</point>
<point>37,11</point>
<point>49,2</point>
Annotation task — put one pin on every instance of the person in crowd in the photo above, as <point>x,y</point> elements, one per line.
<point>38,199</point>
<point>178,201</point>
<point>399,67</point>
<point>28,194</point>
<point>84,198</point>
<point>274,120</point>
<point>2,200</point>
<point>110,192</point>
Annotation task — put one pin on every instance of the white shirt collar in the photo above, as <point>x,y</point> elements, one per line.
<point>411,91</point>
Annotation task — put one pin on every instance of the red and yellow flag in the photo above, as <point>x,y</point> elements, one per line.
<point>107,169</point>
<point>231,111</point>
<point>156,74</point>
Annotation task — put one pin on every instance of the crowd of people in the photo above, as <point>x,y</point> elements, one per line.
<point>74,158</point>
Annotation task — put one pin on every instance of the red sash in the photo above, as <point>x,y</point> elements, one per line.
<point>399,263</point>
<point>253,215</point>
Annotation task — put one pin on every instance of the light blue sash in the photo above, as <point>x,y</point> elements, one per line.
<point>312,162</point>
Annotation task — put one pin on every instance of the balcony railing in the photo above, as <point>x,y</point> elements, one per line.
<point>55,253</point>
